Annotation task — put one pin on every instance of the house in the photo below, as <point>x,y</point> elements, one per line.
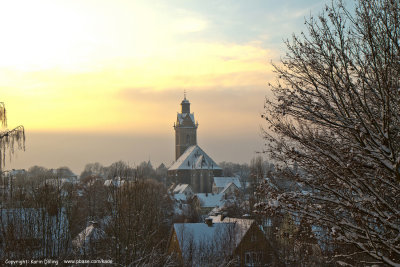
<point>219,241</point>
<point>116,182</point>
<point>182,195</point>
<point>181,209</point>
<point>34,233</point>
<point>230,190</point>
<point>183,189</point>
<point>205,202</point>
<point>186,205</point>
<point>220,183</point>
<point>90,241</point>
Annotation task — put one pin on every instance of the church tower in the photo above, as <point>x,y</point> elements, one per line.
<point>185,129</point>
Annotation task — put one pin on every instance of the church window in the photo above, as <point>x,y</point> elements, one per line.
<point>187,139</point>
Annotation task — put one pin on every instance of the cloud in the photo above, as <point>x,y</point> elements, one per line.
<point>99,98</point>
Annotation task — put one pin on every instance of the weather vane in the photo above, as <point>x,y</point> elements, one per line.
<point>184,94</point>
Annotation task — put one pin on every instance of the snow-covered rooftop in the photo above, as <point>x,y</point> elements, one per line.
<point>242,225</point>
<point>92,233</point>
<point>209,200</point>
<point>193,236</point>
<point>227,186</point>
<point>224,181</point>
<point>196,235</point>
<point>180,188</point>
<point>194,158</point>
<point>117,182</point>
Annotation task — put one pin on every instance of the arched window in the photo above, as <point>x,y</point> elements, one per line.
<point>187,139</point>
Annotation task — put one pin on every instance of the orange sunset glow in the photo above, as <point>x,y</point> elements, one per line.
<point>77,71</point>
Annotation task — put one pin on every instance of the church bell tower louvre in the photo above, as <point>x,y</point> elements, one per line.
<point>185,129</point>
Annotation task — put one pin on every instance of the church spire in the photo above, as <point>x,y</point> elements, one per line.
<point>185,104</point>
<point>185,128</point>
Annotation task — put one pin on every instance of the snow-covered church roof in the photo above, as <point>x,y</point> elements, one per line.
<point>194,158</point>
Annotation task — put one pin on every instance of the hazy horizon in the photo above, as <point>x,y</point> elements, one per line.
<point>75,150</point>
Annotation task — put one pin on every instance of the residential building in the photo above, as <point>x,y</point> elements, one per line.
<point>91,241</point>
<point>220,183</point>
<point>184,189</point>
<point>34,233</point>
<point>219,241</point>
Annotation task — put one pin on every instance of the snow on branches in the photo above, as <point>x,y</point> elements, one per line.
<point>336,114</point>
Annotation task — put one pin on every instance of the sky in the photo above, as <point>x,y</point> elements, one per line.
<point>102,81</point>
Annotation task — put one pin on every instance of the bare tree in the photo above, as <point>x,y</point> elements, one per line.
<point>9,138</point>
<point>336,115</point>
<point>92,169</point>
<point>207,249</point>
<point>140,220</point>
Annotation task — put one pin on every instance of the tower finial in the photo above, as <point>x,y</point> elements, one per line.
<point>184,94</point>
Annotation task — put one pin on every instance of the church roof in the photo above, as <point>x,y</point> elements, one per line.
<point>194,158</point>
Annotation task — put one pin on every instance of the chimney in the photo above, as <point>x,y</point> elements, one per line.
<point>209,222</point>
<point>223,215</point>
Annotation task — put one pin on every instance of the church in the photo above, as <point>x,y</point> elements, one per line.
<point>192,165</point>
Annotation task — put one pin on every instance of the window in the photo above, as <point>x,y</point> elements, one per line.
<point>253,258</point>
<point>247,259</point>
<point>187,139</point>
<point>267,222</point>
<point>253,237</point>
